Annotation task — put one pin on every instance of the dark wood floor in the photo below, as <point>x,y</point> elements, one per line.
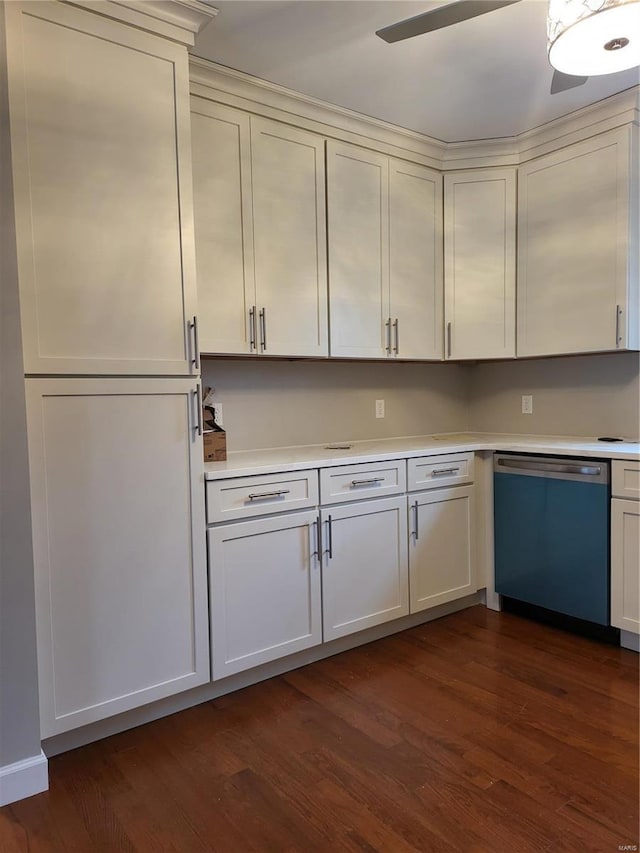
<point>478,732</point>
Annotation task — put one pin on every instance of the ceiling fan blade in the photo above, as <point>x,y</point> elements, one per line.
<point>443,16</point>
<point>561,82</point>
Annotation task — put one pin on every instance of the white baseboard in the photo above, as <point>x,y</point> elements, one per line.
<point>24,779</point>
<point>629,640</point>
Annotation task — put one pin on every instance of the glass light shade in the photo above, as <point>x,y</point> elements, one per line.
<point>591,37</point>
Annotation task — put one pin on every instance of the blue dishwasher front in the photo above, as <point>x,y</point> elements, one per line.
<point>552,533</point>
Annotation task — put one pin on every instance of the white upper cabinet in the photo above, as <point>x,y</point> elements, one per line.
<point>102,181</point>
<point>415,260</point>
<point>385,256</point>
<point>223,227</point>
<point>578,248</point>
<point>289,227</point>
<point>259,192</point>
<point>358,218</point>
<point>117,491</point>
<point>480,263</point>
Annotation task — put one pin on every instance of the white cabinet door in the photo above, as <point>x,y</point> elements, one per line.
<point>264,580</point>
<point>223,227</point>
<point>415,260</point>
<point>118,525</point>
<point>480,263</point>
<point>289,226</point>
<point>102,179</point>
<point>578,248</point>
<point>441,562</point>
<point>358,221</point>
<point>365,577</point>
<point>625,565</point>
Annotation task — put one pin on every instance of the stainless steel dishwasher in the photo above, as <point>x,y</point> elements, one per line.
<point>552,533</point>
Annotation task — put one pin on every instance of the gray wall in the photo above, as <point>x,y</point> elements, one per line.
<point>582,395</point>
<point>281,403</point>
<point>19,722</point>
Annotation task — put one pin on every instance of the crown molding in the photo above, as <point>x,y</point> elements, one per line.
<point>620,109</point>
<point>213,82</point>
<point>177,20</point>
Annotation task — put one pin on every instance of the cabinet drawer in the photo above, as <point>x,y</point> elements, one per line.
<point>246,497</point>
<point>625,480</point>
<point>431,472</point>
<point>353,482</point>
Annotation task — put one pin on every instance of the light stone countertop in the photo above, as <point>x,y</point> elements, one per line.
<point>273,460</point>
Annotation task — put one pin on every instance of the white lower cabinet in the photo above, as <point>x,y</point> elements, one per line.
<point>265,590</point>
<point>120,564</point>
<point>625,564</point>
<point>441,547</point>
<point>364,566</point>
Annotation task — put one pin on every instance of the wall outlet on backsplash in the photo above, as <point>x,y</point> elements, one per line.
<point>527,404</point>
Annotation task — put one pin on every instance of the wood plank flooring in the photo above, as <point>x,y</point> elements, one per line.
<point>478,732</point>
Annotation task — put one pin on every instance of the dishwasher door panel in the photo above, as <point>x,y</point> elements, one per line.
<point>552,544</point>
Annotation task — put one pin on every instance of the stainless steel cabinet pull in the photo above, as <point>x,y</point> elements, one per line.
<point>195,357</point>
<point>387,327</point>
<point>449,339</point>
<point>252,328</point>
<point>329,538</point>
<point>277,494</point>
<point>197,396</point>
<point>415,508</point>
<point>440,471</point>
<point>618,318</point>
<point>263,329</point>
<point>558,467</point>
<point>316,538</point>
<point>369,482</point>
<point>396,348</point>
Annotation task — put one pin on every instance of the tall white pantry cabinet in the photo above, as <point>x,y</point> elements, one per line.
<point>99,113</point>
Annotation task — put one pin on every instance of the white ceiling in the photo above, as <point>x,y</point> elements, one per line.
<point>484,78</point>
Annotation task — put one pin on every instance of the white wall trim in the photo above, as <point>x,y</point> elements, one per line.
<point>629,640</point>
<point>213,82</point>
<point>24,779</point>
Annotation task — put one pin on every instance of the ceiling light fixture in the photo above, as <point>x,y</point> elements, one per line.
<point>590,37</point>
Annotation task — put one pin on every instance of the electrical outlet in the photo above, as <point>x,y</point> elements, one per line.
<point>219,414</point>
<point>379,408</point>
<point>527,404</point>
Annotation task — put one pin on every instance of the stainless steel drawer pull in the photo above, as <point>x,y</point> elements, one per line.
<point>369,482</point>
<point>440,471</point>
<point>557,467</point>
<point>277,494</point>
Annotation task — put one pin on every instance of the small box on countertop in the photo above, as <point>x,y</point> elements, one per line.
<point>215,444</point>
<point>214,438</point>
